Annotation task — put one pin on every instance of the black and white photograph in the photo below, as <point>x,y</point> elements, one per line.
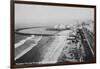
<point>47,34</point>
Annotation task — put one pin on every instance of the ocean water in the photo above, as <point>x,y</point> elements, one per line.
<point>19,37</point>
<point>39,30</point>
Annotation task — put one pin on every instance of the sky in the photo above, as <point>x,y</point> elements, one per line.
<point>42,15</point>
